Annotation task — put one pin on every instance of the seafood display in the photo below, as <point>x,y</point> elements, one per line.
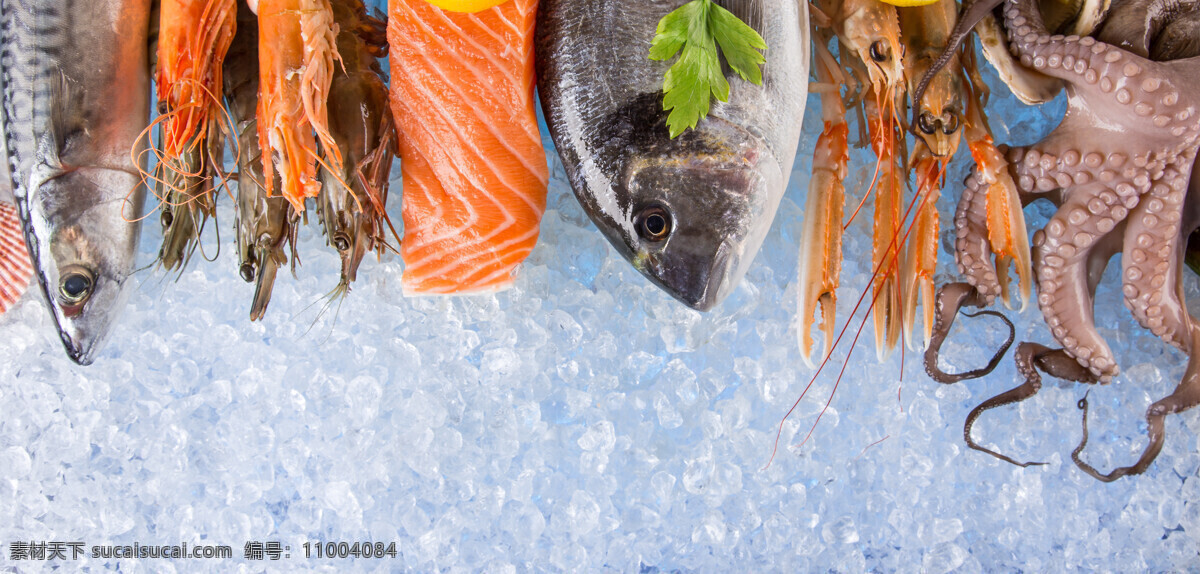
<point>474,171</point>
<point>691,212</point>
<point>684,188</point>
<point>613,408</point>
<point>76,98</point>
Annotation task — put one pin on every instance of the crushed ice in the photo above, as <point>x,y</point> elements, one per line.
<point>582,418</point>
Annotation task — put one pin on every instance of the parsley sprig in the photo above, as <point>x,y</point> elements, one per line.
<point>698,28</point>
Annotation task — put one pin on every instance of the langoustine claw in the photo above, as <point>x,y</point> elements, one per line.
<point>821,256</point>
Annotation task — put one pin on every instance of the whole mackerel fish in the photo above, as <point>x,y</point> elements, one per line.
<point>690,213</point>
<point>76,96</point>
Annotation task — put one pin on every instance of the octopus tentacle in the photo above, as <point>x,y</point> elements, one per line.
<point>972,247</point>
<point>1153,247</point>
<point>1030,358</point>
<point>1186,396</point>
<point>950,299</point>
<point>1079,61</point>
<point>1062,259</point>
<point>1124,80</point>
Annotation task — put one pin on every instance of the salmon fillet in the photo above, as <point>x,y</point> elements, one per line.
<point>474,171</point>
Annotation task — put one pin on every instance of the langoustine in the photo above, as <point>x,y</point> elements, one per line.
<point>868,33</point>
<point>948,106</point>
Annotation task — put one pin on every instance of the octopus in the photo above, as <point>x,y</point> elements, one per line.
<point>1120,169</point>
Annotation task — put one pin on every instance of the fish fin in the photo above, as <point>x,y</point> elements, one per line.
<point>15,267</point>
<point>65,111</point>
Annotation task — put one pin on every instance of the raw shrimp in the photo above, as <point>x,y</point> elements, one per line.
<point>296,52</point>
<point>266,224</point>
<point>360,121</point>
<point>194,36</point>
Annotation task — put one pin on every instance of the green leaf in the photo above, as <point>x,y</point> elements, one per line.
<point>673,30</point>
<point>694,31</point>
<point>740,44</point>
<point>690,84</point>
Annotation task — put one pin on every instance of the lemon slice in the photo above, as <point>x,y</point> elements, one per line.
<point>466,5</point>
<point>910,3</point>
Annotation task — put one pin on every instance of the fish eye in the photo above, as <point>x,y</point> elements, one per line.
<point>75,285</point>
<point>654,223</point>
<point>166,218</point>
<point>879,51</point>
<point>247,272</point>
<point>163,107</point>
<point>950,124</point>
<point>926,123</point>
<point>341,242</point>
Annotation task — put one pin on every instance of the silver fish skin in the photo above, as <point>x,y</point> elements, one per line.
<point>76,96</point>
<point>689,213</point>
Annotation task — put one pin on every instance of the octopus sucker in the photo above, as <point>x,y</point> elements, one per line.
<point>1146,300</point>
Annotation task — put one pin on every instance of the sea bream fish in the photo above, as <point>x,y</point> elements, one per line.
<point>690,213</point>
<point>75,99</point>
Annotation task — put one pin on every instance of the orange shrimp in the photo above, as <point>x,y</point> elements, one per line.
<point>296,52</point>
<point>194,37</point>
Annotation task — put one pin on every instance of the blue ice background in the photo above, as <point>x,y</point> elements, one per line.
<point>582,419</point>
